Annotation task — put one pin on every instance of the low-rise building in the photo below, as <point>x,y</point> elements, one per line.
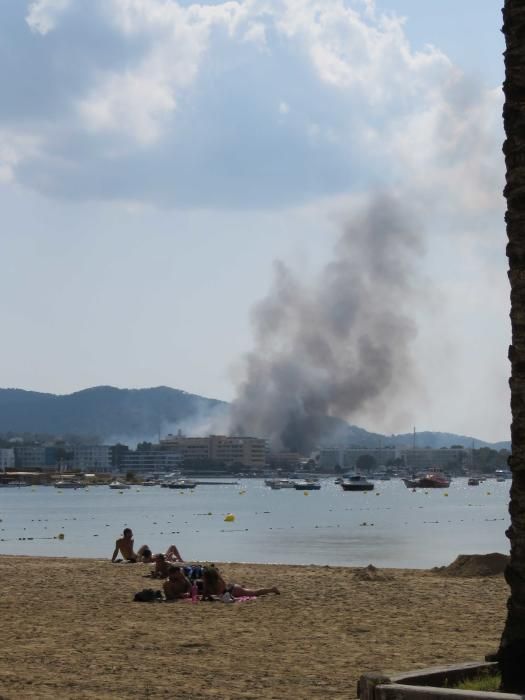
<point>30,457</point>
<point>415,459</point>
<point>229,450</point>
<point>151,461</point>
<point>7,458</point>
<point>92,458</point>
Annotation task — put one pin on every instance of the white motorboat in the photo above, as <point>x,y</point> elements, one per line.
<point>182,484</point>
<point>277,484</point>
<point>69,484</point>
<point>119,486</point>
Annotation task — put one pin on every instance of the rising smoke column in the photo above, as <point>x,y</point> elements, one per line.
<point>339,346</point>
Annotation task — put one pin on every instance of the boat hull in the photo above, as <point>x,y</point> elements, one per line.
<point>426,483</point>
<point>357,487</point>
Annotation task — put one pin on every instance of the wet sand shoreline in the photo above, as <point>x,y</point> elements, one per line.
<point>70,629</point>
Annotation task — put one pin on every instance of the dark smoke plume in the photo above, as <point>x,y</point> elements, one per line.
<point>339,346</point>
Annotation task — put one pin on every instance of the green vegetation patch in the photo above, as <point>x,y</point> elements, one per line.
<point>488,682</point>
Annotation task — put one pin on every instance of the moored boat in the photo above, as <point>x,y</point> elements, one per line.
<point>119,485</point>
<point>307,485</point>
<point>428,481</point>
<point>473,481</point>
<point>280,483</point>
<point>182,484</point>
<point>357,482</point>
<point>69,484</point>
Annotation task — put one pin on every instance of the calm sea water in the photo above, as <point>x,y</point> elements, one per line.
<point>391,526</point>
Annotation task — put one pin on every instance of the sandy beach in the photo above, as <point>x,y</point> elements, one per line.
<point>70,630</point>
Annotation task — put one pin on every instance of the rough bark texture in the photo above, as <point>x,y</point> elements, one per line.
<point>512,647</point>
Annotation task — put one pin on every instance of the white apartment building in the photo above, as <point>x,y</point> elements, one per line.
<point>30,457</point>
<point>151,461</point>
<point>7,458</point>
<point>92,458</point>
<point>246,451</point>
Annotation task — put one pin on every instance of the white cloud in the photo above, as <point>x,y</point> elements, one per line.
<point>43,14</point>
<point>138,100</point>
<point>452,150</point>
<point>128,103</point>
<point>367,93</point>
<point>352,50</point>
<point>15,146</point>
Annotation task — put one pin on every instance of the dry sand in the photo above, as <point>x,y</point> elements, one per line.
<point>69,629</point>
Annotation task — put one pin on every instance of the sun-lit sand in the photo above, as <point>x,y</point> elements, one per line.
<point>69,629</point>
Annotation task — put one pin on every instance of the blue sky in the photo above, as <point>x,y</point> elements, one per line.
<point>157,158</point>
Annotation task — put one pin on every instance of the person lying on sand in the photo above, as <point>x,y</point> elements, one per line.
<point>124,545</point>
<point>177,586</point>
<point>160,560</point>
<point>213,585</point>
<point>145,556</point>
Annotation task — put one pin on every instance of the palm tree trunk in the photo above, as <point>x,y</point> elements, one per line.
<point>511,653</point>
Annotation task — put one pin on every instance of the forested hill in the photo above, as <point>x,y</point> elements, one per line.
<point>103,411</point>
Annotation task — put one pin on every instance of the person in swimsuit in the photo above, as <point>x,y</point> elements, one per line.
<point>162,567</point>
<point>178,585</point>
<point>214,585</point>
<point>173,554</point>
<point>124,545</point>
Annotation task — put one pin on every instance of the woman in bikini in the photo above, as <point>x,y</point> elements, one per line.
<point>214,585</point>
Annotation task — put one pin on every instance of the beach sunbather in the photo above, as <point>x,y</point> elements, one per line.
<point>161,568</point>
<point>145,555</point>
<point>214,585</point>
<point>124,545</point>
<point>173,554</point>
<point>178,585</point>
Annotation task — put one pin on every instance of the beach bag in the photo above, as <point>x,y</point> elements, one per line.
<point>148,595</point>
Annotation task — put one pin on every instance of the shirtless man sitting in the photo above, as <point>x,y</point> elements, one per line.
<point>178,585</point>
<point>124,545</point>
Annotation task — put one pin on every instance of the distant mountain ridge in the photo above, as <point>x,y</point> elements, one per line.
<point>136,414</point>
<point>103,411</point>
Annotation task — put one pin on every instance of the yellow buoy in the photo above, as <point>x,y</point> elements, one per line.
<point>306,493</point>
<point>445,494</point>
<point>60,536</point>
<point>229,518</point>
<point>241,493</point>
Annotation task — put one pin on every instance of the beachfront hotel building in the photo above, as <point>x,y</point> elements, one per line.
<point>246,451</point>
<point>151,461</point>
<point>7,458</point>
<point>93,458</point>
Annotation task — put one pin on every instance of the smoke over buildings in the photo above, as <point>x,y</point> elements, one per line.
<point>339,345</point>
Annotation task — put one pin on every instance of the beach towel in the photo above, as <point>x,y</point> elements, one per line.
<point>228,598</point>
